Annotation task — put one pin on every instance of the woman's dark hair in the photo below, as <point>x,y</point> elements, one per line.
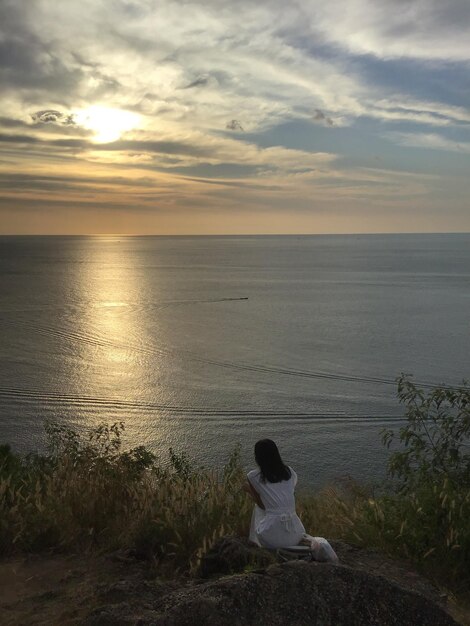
<point>270,463</point>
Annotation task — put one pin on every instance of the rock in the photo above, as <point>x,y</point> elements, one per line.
<point>112,615</point>
<point>117,592</point>
<point>231,555</point>
<point>299,593</point>
<point>366,589</point>
<point>379,564</point>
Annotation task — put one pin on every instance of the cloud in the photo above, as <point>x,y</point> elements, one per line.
<point>9,122</point>
<point>195,70</point>
<point>49,116</point>
<point>234,125</point>
<point>198,149</point>
<point>46,116</point>
<point>319,116</point>
<point>429,141</point>
<point>201,81</point>
<point>431,30</point>
<point>268,71</point>
<point>26,59</point>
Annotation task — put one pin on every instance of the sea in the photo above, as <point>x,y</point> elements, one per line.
<point>205,343</point>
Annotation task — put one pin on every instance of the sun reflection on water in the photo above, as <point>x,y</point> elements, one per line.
<point>112,366</point>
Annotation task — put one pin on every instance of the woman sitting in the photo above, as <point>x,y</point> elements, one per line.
<point>274,523</point>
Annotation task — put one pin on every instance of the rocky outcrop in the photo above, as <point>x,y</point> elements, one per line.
<point>299,593</point>
<point>295,593</point>
<point>231,555</point>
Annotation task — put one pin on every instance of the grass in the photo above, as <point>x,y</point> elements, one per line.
<point>428,527</point>
<point>87,493</point>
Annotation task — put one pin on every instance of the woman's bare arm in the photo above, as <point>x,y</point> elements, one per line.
<point>251,491</point>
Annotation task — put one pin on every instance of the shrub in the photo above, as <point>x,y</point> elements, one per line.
<point>428,515</point>
<point>422,512</point>
<point>435,438</point>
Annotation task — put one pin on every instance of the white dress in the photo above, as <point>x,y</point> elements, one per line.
<point>278,526</point>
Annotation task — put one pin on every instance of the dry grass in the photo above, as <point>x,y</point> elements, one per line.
<point>86,494</point>
<point>428,527</point>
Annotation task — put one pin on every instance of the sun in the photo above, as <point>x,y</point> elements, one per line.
<point>107,124</point>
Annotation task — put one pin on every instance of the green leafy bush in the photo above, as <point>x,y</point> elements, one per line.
<point>422,512</point>
<point>428,515</point>
<point>435,439</point>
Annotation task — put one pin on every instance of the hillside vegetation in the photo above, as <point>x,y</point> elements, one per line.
<point>88,493</point>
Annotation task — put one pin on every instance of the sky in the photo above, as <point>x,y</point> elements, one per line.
<point>223,117</point>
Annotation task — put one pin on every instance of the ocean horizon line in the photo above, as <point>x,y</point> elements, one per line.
<point>231,235</point>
